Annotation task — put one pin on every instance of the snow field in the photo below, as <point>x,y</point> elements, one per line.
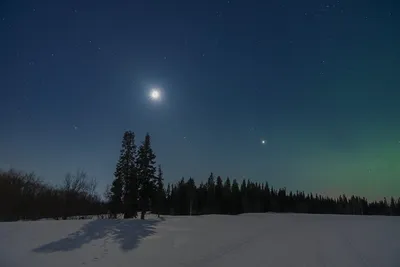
<point>211,240</point>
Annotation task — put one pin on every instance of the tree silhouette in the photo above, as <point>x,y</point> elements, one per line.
<point>160,193</point>
<point>146,172</point>
<point>137,184</point>
<point>125,182</point>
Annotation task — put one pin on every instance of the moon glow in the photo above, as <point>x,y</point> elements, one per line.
<point>155,94</point>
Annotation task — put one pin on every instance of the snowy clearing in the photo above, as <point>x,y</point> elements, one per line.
<point>246,240</point>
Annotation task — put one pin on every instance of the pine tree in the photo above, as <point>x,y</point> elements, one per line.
<point>227,197</point>
<point>168,199</point>
<point>218,195</point>
<point>172,200</point>
<point>129,175</point>
<point>398,207</point>
<point>266,197</point>
<point>160,195</point>
<point>202,198</point>
<point>211,194</point>
<point>237,207</point>
<point>191,188</point>
<point>245,197</point>
<point>146,171</point>
<point>116,194</point>
<point>125,183</point>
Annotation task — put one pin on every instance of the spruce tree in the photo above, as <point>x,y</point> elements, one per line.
<point>218,195</point>
<point>237,207</point>
<point>126,175</point>
<point>146,171</point>
<point>266,198</point>
<point>191,192</point>
<point>211,194</point>
<point>244,194</point>
<point>182,197</point>
<point>227,198</point>
<point>398,207</point>
<point>168,199</point>
<point>116,194</point>
<point>160,194</point>
<point>201,198</point>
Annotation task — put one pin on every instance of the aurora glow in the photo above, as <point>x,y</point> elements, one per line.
<point>317,81</point>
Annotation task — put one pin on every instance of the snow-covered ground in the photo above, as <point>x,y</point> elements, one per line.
<point>267,240</point>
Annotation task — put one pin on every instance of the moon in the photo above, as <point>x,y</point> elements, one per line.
<point>155,94</point>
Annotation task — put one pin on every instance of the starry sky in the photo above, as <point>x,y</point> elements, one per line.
<point>318,81</point>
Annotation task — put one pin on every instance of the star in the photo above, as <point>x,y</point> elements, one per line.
<point>263,142</point>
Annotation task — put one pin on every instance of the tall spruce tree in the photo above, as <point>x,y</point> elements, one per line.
<point>126,175</point>
<point>218,195</point>
<point>146,171</point>
<point>237,206</point>
<point>227,197</point>
<point>191,188</point>
<point>244,194</point>
<point>115,194</point>
<point>160,193</point>
<point>211,194</point>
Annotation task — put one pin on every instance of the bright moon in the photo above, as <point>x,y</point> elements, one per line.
<point>155,94</point>
<point>263,142</point>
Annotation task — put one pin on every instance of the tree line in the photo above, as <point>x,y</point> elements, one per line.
<point>218,196</point>
<point>138,187</point>
<point>25,197</point>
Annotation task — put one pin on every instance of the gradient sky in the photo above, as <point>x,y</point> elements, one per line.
<point>318,80</point>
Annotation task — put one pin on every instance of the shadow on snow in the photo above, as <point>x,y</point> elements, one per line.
<point>128,233</point>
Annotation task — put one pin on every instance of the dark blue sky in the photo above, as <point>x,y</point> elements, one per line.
<point>318,80</point>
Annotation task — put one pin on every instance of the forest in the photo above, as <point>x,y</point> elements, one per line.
<point>138,187</point>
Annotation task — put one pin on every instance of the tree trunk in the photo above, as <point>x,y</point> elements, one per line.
<point>142,214</point>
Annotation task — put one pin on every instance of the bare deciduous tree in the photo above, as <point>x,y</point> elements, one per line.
<point>26,197</point>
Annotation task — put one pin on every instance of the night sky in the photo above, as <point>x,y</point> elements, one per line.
<point>319,81</point>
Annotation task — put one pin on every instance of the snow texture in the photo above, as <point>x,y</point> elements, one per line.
<point>273,240</point>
